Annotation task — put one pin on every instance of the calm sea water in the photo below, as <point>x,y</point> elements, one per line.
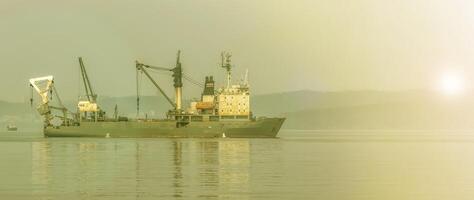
<point>298,165</point>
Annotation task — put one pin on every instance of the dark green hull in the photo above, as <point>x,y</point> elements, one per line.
<point>261,128</point>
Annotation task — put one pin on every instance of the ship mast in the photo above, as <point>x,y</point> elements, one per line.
<point>225,63</point>
<point>178,81</point>
<point>246,79</point>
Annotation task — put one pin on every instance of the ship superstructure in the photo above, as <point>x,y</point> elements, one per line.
<point>231,102</point>
<point>223,112</point>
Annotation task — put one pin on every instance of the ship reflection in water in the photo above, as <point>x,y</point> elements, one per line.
<point>147,168</point>
<point>339,165</point>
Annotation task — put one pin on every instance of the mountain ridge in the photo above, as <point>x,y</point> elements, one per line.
<point>306,109</point>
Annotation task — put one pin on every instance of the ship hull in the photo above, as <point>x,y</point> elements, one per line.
<point>261,128</point>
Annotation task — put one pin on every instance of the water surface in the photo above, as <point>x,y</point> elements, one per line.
<point>299,165</point>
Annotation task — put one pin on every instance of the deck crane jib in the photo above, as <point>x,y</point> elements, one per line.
<point>44,86</point>
<point>177,74</point>
<point>90,105</point>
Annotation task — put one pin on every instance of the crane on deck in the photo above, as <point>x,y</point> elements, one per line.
<point>91,96</point>
<point>89,106</point>
<point>45,88</point>
<point>178,82</point>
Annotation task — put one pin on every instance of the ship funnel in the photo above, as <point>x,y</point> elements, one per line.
<point>208,86</point>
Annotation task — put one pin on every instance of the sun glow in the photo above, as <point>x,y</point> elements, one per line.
<point>451,84</point>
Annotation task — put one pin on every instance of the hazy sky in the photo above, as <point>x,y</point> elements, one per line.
<point>286,45</point>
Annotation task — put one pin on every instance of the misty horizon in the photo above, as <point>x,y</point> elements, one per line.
<point>434,92</point>
<point>286,45</point>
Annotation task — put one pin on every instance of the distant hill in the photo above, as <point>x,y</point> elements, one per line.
<point>406,116</point>
<point>279,103</point>
<point>368,110</point>
<point>314,109</point>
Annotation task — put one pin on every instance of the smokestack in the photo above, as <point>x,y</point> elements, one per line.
<point>208,86</point>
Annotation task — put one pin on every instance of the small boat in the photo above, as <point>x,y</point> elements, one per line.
<point>12,127</point>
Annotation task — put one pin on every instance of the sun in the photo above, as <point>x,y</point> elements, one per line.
<point>451,83</point>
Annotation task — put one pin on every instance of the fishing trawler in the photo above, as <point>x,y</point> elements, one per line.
<point>223,112</point>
